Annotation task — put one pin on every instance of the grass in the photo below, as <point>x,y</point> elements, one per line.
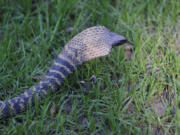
<point>140,96</point>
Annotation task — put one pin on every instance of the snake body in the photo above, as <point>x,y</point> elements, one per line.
<point>91,43</point>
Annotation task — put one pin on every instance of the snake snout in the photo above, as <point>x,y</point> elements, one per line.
<point>117,39</point>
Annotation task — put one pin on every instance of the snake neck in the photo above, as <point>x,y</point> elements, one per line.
<point>64,65</point>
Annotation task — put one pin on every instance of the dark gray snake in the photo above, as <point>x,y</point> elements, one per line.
<point>89,44</point>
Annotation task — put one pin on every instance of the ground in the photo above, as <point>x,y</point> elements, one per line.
<point>131,91</point>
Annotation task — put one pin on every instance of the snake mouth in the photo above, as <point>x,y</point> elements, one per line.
<point>117,39</point>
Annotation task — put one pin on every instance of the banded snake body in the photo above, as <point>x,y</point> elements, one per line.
<point>91,43</point>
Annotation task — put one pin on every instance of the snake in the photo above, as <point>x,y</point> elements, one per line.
<point>89,44</point>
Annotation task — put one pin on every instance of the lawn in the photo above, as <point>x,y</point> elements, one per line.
<point>109,95</point>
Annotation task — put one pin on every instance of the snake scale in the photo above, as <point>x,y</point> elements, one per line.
<point>91,43</point>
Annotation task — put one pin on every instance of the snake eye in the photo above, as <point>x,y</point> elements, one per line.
<point>117,39</point>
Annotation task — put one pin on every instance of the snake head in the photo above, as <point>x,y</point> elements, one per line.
<point>117,39</point>
<point>92,43</point>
